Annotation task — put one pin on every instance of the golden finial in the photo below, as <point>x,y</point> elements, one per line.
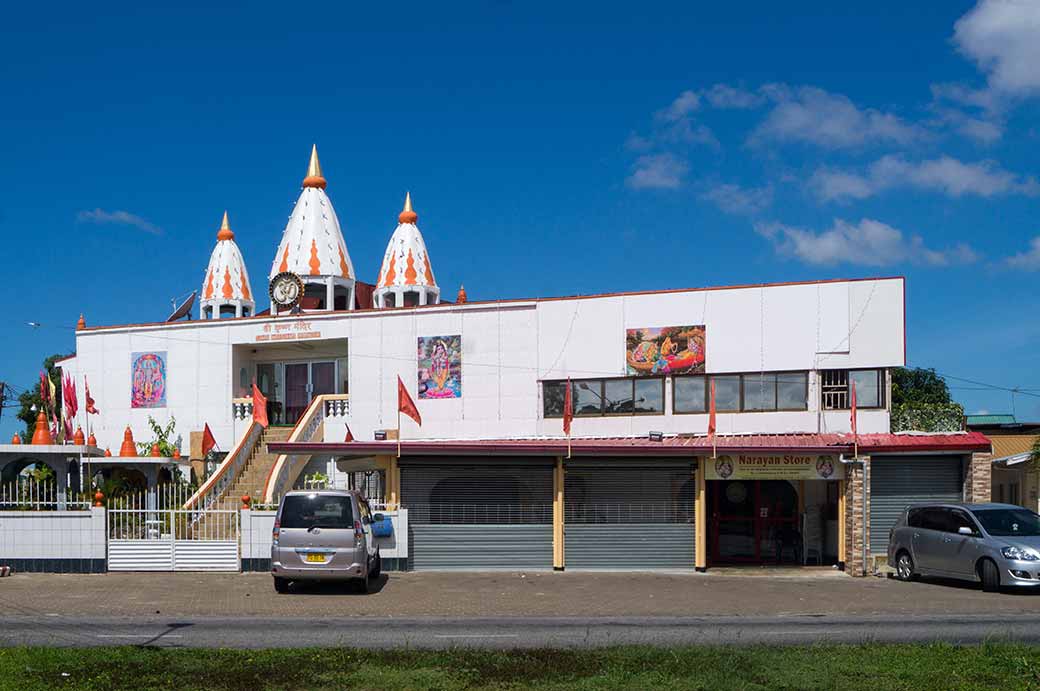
<point>314,177</point>
<point>407,215</point>
<point>225,230</point>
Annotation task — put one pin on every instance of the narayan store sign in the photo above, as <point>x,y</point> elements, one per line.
<point>774,467</point>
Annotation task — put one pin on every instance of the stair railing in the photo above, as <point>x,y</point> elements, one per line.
<point>227,472</point>
<point>310,427</point>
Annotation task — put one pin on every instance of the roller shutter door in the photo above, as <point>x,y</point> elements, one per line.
<point>629,516</point>
<point>896,482</point>
<point>479,516</point>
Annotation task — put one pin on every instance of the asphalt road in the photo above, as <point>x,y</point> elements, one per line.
<point>508,632</point>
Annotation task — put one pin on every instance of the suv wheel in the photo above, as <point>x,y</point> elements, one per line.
<point>905,567</point>
<point>990,576</point>
<point>281,585</point>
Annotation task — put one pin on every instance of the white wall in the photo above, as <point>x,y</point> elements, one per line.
<point>507,349</point>
<point>53,534</point>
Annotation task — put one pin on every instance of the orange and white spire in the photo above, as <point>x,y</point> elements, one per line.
<point>225,288</point>
<point>313,248</point>
<point>406,277</point>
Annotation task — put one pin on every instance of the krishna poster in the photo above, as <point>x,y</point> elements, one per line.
<point>440,367</point>
<point>148,380</point>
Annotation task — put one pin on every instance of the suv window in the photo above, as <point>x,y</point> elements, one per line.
<point>959,519</point>
<point>317,511</point>
<point>935,519</point>
<point>913,518</point>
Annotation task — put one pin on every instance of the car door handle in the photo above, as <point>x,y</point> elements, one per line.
<point>947,539</point>
<point>917,535</point>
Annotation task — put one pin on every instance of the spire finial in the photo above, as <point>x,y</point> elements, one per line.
<point>461,297</point>
<point>407,215</point>
<point>81,324</point>
<point>314,177</point>
<point>225,229</point>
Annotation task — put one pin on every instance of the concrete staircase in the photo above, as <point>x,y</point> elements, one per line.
<point>251,480</point>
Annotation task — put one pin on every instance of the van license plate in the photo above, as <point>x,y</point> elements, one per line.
<point>315,556</point>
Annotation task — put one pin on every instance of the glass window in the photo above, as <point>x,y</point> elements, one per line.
<point>935,519</point>
<point>649,396</point>
<point>688,395</point>
<point>317,510</point>
<point>868,388</point>
<point>958,520</point>
<point>913,518</point>
<point>1009,522</point>
<point>553,393</point>
<point>588,397</point>
<point>727,392</point>
<point>792,391</point>
<point>617,395</point>
<point>759,392</point>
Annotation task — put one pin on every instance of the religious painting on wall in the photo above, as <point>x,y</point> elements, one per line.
<point>148,380</point>
<point>656,351</point>
<point>440,367</point>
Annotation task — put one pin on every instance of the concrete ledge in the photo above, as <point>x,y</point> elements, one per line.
<point>57,565</point>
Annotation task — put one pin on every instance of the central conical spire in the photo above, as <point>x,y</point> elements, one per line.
<point>314,177</point>
<point>225,230</point>
<point>407,215</point>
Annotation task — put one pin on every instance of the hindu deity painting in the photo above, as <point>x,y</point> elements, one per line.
<point>657,351</point>
<point>440,367</point>
<point>148,380</point>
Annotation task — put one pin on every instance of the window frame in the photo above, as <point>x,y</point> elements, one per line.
<point>664,401</point>
<point>882,374</point>
<point>602,400</point>
<point>805,377</point>
<point>707,402</point>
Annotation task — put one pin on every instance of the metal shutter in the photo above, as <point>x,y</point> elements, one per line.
<point>629,516</point>
<point>896,482</point>
<point>479,515</point>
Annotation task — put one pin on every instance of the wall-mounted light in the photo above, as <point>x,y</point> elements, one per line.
<point>657,436</point>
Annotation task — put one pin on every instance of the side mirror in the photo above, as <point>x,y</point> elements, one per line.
<point>965,530</point>
<point>378,518</point>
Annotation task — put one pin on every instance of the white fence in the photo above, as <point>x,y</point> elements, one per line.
<point>30,494</point>
<point>172,540</point>
<point>55,541</point>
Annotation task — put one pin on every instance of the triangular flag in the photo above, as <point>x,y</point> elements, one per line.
<point>711,418</point>
<point>259,406</point>
<point>405,404</point>
<point>349,437</point>
<point>568,409</point>
<point>208,442</point>
<point>90,401</point>
<point>852,415</point>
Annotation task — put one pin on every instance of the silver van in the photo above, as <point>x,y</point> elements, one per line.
<point>322,535</point>
<point>995,544</point>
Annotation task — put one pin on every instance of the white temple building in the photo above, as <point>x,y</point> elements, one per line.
<point>406,275</point>
<point>225,289</point>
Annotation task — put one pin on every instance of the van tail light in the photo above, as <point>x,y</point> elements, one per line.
<point>274,533</point>
<point>358,532</point>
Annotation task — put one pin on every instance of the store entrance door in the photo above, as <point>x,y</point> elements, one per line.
<point>304,381</point>
<point>754,522</point>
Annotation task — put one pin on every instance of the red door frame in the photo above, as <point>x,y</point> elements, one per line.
<point>761,524</point>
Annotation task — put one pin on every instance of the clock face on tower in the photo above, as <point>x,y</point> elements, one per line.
<point>286,289</point>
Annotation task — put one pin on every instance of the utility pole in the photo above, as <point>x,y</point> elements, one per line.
<point>3,398</point>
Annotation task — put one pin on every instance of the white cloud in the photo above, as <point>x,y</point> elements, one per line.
<point>124,218</point>
<point>867,243</point>
<point>1030,259</point>
<point>682,107</point>
<point>945,174</point>
<point>745,201</point>
<point>727,97</point>
<point>657,171</point>
<point>811,115</point>
<point>1001,36</point>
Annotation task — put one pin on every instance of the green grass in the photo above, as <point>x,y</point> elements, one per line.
<point>873,667</point>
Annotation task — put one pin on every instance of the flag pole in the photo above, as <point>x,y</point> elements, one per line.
<point>398,430</point>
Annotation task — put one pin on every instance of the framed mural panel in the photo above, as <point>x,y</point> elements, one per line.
<point>440,367</point>
<point>148,380</point>
<point>659,350</point>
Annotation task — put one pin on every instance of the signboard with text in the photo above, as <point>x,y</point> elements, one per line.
<point>287,331</point>
<point>774,467</point>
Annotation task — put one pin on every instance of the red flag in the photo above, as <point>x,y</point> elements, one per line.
<point>853,412</point>
<point>405,404</point>
<point>711,415</point>
<point>259,406</point>
<point>568,409</point>
<point>208,442</point>
<point>90,401</point>
<point>350,437</point>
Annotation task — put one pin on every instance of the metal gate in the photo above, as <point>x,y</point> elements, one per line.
<point>896,482</point>
<point>479,516</point>
<point>629,516</point>
<point>173,540</point>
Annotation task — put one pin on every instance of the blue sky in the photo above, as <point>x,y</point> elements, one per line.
<point>550,148</point>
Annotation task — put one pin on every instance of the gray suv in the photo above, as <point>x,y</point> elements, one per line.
<point>324,535</point>
<point>997,544</point>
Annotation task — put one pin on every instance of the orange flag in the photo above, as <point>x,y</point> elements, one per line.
<point>568,409</point>
<point>350,436</point>
<point>711,419</point>
<point>852,414</point>
<point>208,442</point>
<point>259,406</point>
<point>405,404</point>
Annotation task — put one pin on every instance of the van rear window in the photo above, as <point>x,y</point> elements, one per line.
<point>317,511</point>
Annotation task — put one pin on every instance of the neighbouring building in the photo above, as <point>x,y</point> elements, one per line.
<point>490,480</point>
<point>1016,478</point>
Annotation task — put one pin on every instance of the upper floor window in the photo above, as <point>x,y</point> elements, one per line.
<point>763,391</point>
<point>836,388</point>
<point>597,397</point>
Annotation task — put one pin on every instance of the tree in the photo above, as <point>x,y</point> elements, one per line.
<point>31,397</point>
<point>163,436</point>
<point>919,386</point>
